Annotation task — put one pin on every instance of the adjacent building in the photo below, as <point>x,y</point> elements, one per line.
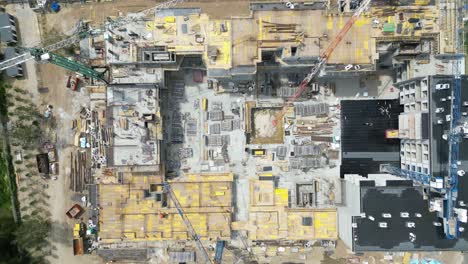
<point>13,71</point>
<point>8,29</point>
<point>366,135</point>
<point>425,123</point>
<point>271,218</point>
<point>387,213</point>
<point>134,115</point>
<point>139,210</point>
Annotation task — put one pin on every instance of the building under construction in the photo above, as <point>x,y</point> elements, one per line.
<point>266,133</point>
<point>198,104</point>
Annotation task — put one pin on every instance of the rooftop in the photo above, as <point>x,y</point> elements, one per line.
<point>399,198</point>
<point>11,52</point>
<point>137,209</point>
<point>364,145</point>
<point>7,28</point>
<point>133,112</point>
<point>270,217</point>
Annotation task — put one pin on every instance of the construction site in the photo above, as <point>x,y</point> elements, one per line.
<point>276,135</point>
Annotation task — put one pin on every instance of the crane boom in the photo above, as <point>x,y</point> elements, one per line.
<point>15,61</point>
<point>82,32</point>
<point>323,58</point>
<point>187,223</point>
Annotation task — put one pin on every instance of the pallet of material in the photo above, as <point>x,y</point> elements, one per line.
<point>215,129</point>
<point>227,125</point>
<point>191,127</point>
<point>311,109</point>
<point>306,150</point>
<point>281,152</point>
<point>216,115</point>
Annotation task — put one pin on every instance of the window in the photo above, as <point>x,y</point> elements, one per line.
<point>424,106</point>
<point>307,221</point>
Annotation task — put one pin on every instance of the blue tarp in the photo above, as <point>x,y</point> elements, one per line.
<point>55,7</point>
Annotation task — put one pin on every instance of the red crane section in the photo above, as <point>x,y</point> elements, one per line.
<point>322,59</point>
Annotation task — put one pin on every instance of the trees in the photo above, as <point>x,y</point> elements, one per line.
<point>25,135</point>
<point>31,235</point>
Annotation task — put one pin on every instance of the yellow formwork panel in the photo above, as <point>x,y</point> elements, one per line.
<point>133,224</point>
<point>169,19</point>
<point>358,53</point>
<point>199,223</point>
<point>325,225</point>
<point>329,23</point>
<point>281,196</point>
<point>365,44</point>
<point>208,177</point>
<point>187,194</point>
<point>222,41</point>
<point>150,25</point>
<point>267,225</point>
<point>295,228</point>
<point>362,21</point>
<point>406,258</point>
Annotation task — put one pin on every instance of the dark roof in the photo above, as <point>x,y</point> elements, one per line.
<point>363,143</point>
<point>463,157</point>
<point>121,254</point>
<point>43,163</point>
<point>439,147</point>
<point>8,53</point>
<point>7,28</point>
<point>395,199</point>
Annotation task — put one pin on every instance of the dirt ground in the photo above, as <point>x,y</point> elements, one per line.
<point>265,130</point>
<point>96,13</point>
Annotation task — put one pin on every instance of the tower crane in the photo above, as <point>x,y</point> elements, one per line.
<point>454,137</point>
<point>45,54</point>
<point>322,59</point>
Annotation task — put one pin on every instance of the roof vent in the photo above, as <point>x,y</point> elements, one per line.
<point>404,214</point>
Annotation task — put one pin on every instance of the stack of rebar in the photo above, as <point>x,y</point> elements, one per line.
<point>80,173</point>
<point>279,28</point>
<point>311,109</point>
